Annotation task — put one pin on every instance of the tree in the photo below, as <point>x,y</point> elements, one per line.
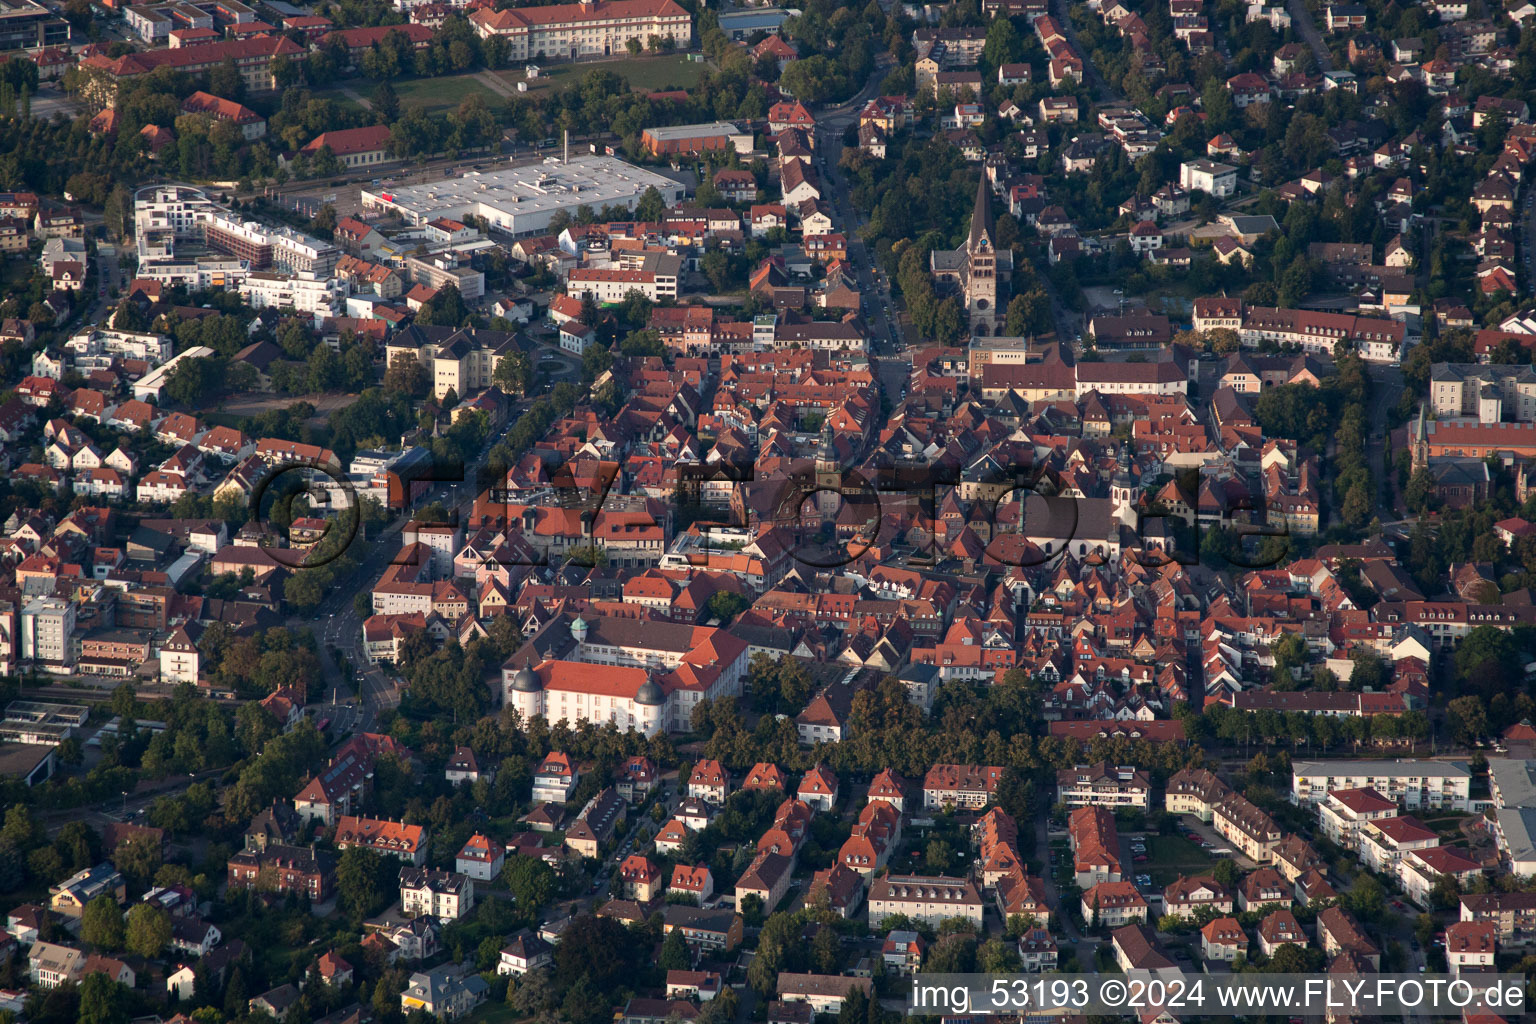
<point>1216,101</point>
<point>584,1004</point>
<point>102,1000</point>
<point>826,951</point>
<point>717,267</point>
<point>360,882</point>
<point>514,373</point>
<point>1226,873</point>
<point>1357,508</point>
<point>725,605</point>
<point>1003,45</point>
<point>445,309</point>
<point>531,881</point>
<point>129,317</point>
<point>406,376</point>
<point>1468,719</point>
<point>21,831</point>
<point>651,206</point>
<point>149,930</point>
<point>386,103</point>
<point>101,923</point>
<point>1419,495</point>
<point>226,82</point>
<point>138,858</point>
<point>534,993</point>
<point>191,380</point>
<point>1487,660</point>
<point>674,952</point>
<point>325,163</point>
<point>307,587</point>
<point>603,953</point>
<point>814,79</point>
<point>634,46</point>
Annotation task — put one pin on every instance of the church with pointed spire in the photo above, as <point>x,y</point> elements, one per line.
<point>977,271</point>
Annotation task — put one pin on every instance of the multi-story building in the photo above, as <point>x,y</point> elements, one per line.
<point>445,895</point>
<point>555,779</point>
<point>1095,843</point>
<point>1488,392</point>
<point>97,348</point>
<point>1338,932</point>
<point>390,838</point>
<point>524,952</point>
<point>709,931</point>
<point>51,965</point>
<point>481,858</point>
<point>648,675</point>
<point>270,247</point>
<point>1247,827</point>
<point>251,124</point>
<point>1104,785</point>
<point>354,147</point>
<point>1513,915</point>
<point>26,25</point>
<point>1113,904</point>
<point>284,869</point>
<point>1415,784</point>
<point>167,214</point>
<point>335,791</point>
<point>461,359</point>
<point>1183,897</point>
<point>440,269</point>
<point>613,286</point>
<point>69,897</point>
<point>1315,332</point>
<point>596,823</point>
<point>1195,791</point>
<point>592,28</point>
<point>1223,939</point>
<point>1345,811</point>
<point>445,992</point>
<point>926,898</point>
<point>960,785</point>
<point>47,631</point>
<point>302,293</point>
<point>709,782</point>
<point>252,57</point>
<point>1208,176</point>
<point>1384,841</point>
<point>1420,870</point>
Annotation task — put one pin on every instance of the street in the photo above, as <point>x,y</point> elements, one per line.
<point>1061,12</point>
<point>336,619</point>
<point>1387,385</point>
<point>885,327</point>
<point>1301,21</point>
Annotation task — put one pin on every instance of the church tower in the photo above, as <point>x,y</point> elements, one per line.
<point>1122,492</point>
<point>981,265</point>
<point>829,473</point>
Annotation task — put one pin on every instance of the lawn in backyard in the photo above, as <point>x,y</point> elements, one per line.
<point>1169,857</point>
<point>493,1013</point>
<point>645,74</point>
<point>443,95</point>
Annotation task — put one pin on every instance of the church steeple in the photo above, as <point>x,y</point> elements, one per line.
<point>826,450</point>
<point>981,217</point>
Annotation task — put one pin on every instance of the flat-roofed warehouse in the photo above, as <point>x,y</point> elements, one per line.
<point>524,200</point>
<point>696,139</point>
